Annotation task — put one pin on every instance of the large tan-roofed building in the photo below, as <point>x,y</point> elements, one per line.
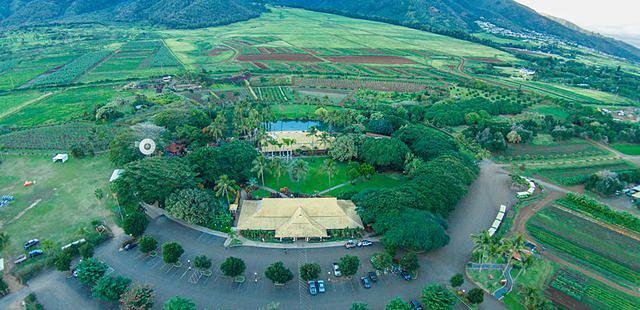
<point>298,218</point>
<point>275,142</point>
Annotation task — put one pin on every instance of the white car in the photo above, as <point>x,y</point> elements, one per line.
<point>336,270</point>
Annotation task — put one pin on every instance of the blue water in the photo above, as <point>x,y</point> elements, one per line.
<point>292,125</point>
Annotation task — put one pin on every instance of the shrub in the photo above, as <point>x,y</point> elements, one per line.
<point>232,267</point>
<point>202,262</point>
<point>110,288</point>
<point>148,244</point>
<point>436,297</point>
<point>90,270</point>
<point>139,297</point>
<point>278,273</point>
<point>349,265</point>
<point>171,252</point>
<point>457,280</point>
<point>179,303</point>
<point>309,272</point>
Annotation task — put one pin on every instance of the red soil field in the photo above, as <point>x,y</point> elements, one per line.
<point>280,57</point>
<point>261,65</point>
<point>488,60</point>
<point>389,60</point>
<point>216,51</point>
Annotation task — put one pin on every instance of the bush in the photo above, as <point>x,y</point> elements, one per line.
<point>135,223</point>
<point>278,273</point>
<point>202,262</point>
<point>381,261</point>
<point>86,250</point>
<point>409,262</point>
<point>139,297</point>
<point>31,303</point>
<point>437,297</point>
<point>63,260</point>
<point>457,280</point>
<point>110,289</point>
<point>475,296</point>
<point>90,270</point>
<point>148,244</point>
<point>233,267</point>
<point>179,303</point>
<point>309,272</point>
<point>171,252</point>
<point>349,265</point>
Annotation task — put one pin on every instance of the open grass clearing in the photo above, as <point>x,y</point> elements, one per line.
<point>627,148</point>
<point>317,179</point>
<point>544,147</point>
<point>66,195</point>
<point>577,173</point>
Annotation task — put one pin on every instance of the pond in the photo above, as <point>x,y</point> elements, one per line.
<point>293,125</point>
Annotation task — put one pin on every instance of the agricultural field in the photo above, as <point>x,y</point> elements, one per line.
<point>588,244</point>
<point>58,138</point>
<point>70,72</point>
<point>574,290</point>
<point>544,147</point>
<point>71,104</point>
<point>297,111</point>
<point>274,94</point>
<point>58,204</point>
<point>627,148</point>
<point>577,173</point>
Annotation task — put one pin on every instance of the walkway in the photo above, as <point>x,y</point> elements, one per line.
<point>499,293</point>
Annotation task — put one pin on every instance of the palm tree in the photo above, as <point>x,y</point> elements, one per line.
<point>533,298</point>
<point>4,240</point>
<point>312,133</point>
<point>481,245</point>
<point>524,263</point>
<point>259,167</point>
<point>276,166</point>
<point>325,138</point>
<point>215,130</point>
<point>516,244</point>
<point>225,186</point>
<point>329,166</point>
<point>298,170</point>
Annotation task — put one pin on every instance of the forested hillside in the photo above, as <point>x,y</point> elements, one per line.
<point>170,13</point>
<point>460,16</point>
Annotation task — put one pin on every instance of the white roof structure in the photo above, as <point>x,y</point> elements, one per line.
<point>299,217</point>
<point>116,174</point>
<point>61,158</point>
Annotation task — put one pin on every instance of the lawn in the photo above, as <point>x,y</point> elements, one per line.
<point>593,246</point>
<point>317,180</point>
<point>62,200</point>
<point>627,148</point>
<point>544,147</point>
<point>377,181</point>
<point>297,111</point>
<point>552,110</point>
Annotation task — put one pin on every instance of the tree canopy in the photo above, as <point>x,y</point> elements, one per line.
<point>384,153</point>
<point>179,303</point>
<point>198,207</point>
<point>234,159</point>
<point>110,288</point>
<point>278,273</point>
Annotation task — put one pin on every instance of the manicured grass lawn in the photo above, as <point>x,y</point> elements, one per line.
<point>316,180</point>
<point>536,276</point>
<point>297,111</point>
<point>629,149</point>
<point>377,181</point>
<point>66,195</point>
<point>552,110</point>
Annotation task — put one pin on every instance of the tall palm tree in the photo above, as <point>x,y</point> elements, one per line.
<point>481,244</point>
<point>4,241</point>
<point>259,167</point>
<point>298,170</point>
<point>533,298</point>
<point>276,166</point>
<point>215,130</point>
<point>516,244</point>
<point>325,138</point>
<point>225,187</point>
<point>329,166</point>
<point>525,263</point>
<point>312,133</point>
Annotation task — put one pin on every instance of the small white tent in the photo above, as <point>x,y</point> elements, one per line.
<point>61,158</point>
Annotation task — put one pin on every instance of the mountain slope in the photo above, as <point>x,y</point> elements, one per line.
<point>170,13</point>
<point>461,15</point>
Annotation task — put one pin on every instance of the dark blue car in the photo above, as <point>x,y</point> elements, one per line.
<point>35,253</point>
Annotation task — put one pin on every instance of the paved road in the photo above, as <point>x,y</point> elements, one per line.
<point>475,213</point>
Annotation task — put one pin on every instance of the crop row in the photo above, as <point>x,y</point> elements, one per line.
<point>374,84</point>
<point>277,93</point>
<point>599,211</point>
<point>586,256</point>
<point>142,45</point>
<point>569,284</point>
<point>164,58</point>
<point>71,71</point>
<point>58,137</point>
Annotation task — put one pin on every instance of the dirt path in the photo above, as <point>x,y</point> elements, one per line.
<point>25,104</point>
<point>519,225</point>
<point>630,158</point>
<point>17,217</point>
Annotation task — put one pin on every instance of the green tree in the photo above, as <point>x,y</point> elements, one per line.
<point>475,296</point>
<point>278,273</point>
<point>329,167</point>
<point>202,262</point>
<point>148,244</point>
<point>122,149</point>
<point>309,271</point>
<point>354,171</point>
<point>384,153</point>
<point>86,250</point>
<point>409,262</point>
<point>298,170</point>
<point>90,270</point>
<point>110,288</point>
<point>457,280</point>
<point>199,207</point>
<point>4,288</point>
<point>438,297</point>
<point>179,303</point>
<point>233,267</point>
<point>349,265</point>
<point>398,304</point>
<point>277,167</point>
<point>359,306</point>
<point>367,170</point>
<point>345,147</point>
<point>225,187</point>
<point>381,261</point>
<point>412,229</point>
<point>135,223</point>
<point>63,259</point>
<point>139,297</point>
<point>171,252</point>
<point>259,167</point>
<point>4,240</point>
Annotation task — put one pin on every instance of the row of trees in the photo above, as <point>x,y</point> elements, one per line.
<point>434,296</point>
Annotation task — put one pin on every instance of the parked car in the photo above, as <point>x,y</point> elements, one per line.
<point>31,243</point>
<point>20,259</point>
<point>336,270</point>
<point>35,253</point>
<point>321,287</point>
<point>364,243</point>
<point>365,282</point>
<point>130,246</point>
<point>405,275</point>
<point>313,290</point>
<point>416,305</point>
<point>373,276</point>
<point>350,244</point>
